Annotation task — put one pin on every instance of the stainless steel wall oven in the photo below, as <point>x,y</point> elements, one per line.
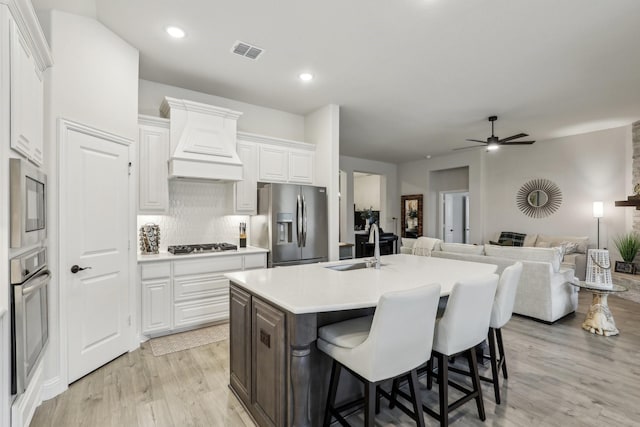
<point>29,315</point>
<point>28,210</point>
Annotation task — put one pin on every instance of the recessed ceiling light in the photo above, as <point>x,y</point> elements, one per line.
<point>306,77</point>
<point>175,32</point>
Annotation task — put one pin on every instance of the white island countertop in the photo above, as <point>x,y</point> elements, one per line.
<point>167,256</point>
<point>312,288</point>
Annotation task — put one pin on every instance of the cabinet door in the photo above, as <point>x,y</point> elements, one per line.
<point>268,363</point>
<point>301,166</point>
<point>246,191</point>
<point>27,103</point>
<point>273,164</point>
<point>240,342</point>
<point>153,170</point>
<point>156,305</point>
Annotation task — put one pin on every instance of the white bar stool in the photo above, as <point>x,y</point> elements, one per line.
<point>464,325</point>
<point>393,342</point>
<point>500,314</point>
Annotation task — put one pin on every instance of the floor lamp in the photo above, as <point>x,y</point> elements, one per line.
<point>598,212</point>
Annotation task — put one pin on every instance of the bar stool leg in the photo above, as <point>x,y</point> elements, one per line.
<point>333,388</point>
<point>503,361</point>
<point>394,393</point>
<point>430,373</point>
<point>494,364</point>
<point>443,388</point>
<point>475,379</point>
<point>370,404</point>
<point>417,401</point>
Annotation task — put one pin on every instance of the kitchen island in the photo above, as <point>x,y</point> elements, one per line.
<point>276,370</point>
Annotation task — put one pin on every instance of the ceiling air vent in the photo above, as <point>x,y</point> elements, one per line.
<point>247,50</point>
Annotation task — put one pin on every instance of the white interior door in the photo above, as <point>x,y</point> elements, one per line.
<point>447,215</point>
<point>95,234</point>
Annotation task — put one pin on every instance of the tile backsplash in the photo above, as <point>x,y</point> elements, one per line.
<point>198,213</point>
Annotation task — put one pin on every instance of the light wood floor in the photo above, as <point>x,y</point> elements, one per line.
<point>560,375</point>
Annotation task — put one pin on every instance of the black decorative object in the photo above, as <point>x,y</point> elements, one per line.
<point>539,198</point>
<point>625,267</point>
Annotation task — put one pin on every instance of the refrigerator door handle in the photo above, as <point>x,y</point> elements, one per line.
<point>304,221</point>
<point>299,220</point>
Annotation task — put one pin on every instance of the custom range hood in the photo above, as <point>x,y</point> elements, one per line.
<point>202,141</point>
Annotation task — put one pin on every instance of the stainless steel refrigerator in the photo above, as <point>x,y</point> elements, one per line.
<point>291,223</point>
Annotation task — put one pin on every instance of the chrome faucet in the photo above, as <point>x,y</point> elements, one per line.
<point>376,243</point>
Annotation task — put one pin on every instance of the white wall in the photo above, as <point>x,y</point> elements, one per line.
<point>389,197</point>
<point>415,178</point>
<point>586,168</point>
<point>254,119</point>
<point>366,192</point>
<point>322,128</point>
<point>94,81</point>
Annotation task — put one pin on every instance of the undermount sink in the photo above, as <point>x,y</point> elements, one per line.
<point>348,267</point>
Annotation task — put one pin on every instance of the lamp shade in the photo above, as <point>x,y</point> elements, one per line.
<point>598,209</point>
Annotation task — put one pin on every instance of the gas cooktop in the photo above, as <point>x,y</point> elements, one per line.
<point>206,247</point>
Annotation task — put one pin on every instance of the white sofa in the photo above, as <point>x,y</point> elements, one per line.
<point>576,260</point>
<point>543,293</point>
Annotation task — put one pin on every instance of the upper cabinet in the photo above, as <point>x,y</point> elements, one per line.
<point>153,158</point>
<point>267,159</point>
<point>27,100</point>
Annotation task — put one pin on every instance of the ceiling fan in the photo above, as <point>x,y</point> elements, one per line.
<point>493,142</point>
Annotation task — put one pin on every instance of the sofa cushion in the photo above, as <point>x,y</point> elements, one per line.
<point>550,255</point>
<point>462,248</point>
<point>424,246</point>
<point>582,242</point>
<point>408,242</point>
<point>543,245</point>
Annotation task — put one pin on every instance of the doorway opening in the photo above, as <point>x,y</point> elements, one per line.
<point>454,216</point>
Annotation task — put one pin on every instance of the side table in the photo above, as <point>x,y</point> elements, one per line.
<point>599,319</point>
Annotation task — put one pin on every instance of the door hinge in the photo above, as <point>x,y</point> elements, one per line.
<point>129,168</point>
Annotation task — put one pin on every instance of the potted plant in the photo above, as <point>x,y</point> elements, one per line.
<point>628,245</point>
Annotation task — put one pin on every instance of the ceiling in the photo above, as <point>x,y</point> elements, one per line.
<point>412,77</point>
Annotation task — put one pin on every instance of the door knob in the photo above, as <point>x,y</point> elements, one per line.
<point>75,268</point>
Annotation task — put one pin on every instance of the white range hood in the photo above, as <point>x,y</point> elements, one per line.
<point>202,141</point>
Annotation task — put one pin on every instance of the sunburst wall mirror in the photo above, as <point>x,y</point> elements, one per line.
<point>539,198</point>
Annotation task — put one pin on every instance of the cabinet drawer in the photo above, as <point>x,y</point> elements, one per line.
<point>255,261</point>
<point>200,312</point>
<point>155,270</point>
<point>189,287</point>
<point>207,265</point>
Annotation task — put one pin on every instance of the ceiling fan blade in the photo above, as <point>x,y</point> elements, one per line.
<point>467,148</point>
<point>517,143</point>
<point>476,140</point>
<point>509,138</point>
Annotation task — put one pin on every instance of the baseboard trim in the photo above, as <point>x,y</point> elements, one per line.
<point>53,387</point>
<point>25,405</point>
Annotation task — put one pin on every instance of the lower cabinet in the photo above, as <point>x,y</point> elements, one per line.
<point>185,293</point>
<point>156,309</point>
<point>258,357</point>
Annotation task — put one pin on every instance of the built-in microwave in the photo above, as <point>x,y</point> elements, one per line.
<point>28,196</point>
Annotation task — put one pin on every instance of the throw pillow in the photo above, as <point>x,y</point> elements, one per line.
<point>506,242</point>
<point>569,247</point>
<point>517,239</point>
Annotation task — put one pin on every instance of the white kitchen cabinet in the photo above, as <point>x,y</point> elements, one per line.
<point>280,160</point>
<point>156,305</point>
<point>182,293</point>
<point>301,166</point>
<point>153,157</point>
<point>27,100</point>
<point>273,163</point>
<point>156,297</point>
<point>245,191</point>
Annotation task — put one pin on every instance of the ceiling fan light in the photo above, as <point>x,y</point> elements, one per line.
<point>493,146</point>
